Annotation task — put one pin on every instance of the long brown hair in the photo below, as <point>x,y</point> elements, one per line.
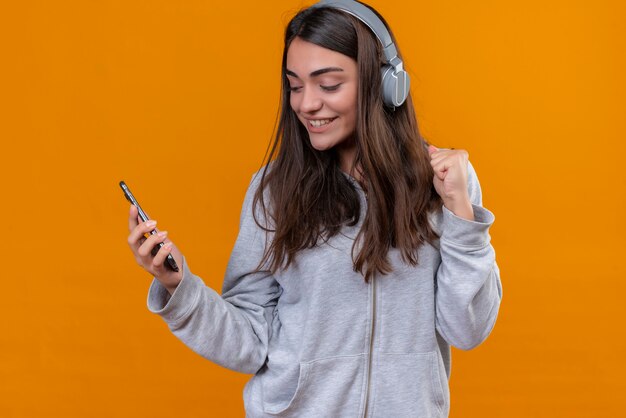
<point>310,199</point>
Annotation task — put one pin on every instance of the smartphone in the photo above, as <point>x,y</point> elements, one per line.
<point>169,261</point>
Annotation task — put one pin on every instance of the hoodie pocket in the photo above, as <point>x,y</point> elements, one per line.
<point>409,385</point>
<point>326,387</point>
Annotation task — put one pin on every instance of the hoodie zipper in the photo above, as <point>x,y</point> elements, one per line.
<point>370,355</point>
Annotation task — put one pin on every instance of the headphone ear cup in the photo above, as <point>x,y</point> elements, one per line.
<point>395,86</point>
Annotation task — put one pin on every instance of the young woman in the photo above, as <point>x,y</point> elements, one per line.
<point>363,252</point>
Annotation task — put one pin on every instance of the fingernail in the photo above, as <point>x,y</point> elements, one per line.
<point>151,224</point>
<point>168,245</point>
<point>162,234</point>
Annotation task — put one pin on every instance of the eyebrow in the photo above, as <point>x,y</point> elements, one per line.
<point>316,72</point>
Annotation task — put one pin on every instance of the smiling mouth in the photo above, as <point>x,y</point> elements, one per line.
<point>320,122</point>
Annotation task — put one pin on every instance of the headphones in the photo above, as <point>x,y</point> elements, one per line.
<point>395,81</point>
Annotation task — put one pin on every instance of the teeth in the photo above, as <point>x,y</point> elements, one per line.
<point>318,123</point>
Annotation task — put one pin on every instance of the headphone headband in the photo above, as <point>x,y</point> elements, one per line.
<point>395,80</point>
<point>368,17</point>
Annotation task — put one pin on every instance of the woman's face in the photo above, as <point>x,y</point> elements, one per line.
<point>323,93</point>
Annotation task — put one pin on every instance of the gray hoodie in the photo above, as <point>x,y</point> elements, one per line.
<point>323,343</point>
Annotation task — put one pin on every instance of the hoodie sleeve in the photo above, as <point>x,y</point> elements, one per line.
<point>468,279</point>
<point>232,330</point>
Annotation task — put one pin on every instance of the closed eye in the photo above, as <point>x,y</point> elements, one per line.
<point>331,88</point>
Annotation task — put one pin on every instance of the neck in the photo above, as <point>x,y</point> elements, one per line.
<point>347,154</point>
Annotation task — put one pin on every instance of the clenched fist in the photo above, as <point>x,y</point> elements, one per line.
<point>450,180</point>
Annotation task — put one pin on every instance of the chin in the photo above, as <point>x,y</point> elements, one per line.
<point>321,145</point>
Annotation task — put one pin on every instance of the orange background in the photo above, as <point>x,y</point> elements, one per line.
<point>179,100</point>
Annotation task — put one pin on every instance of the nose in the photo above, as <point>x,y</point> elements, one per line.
<point>311,101</point>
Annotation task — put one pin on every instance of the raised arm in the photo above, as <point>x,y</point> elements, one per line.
<point>232,329</point>
<point>468,280</point>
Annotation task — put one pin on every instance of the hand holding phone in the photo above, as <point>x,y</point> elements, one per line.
<point>152,251</point>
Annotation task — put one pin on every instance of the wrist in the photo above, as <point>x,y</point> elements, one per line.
<point>461,208</point>
<point>171,289</point>
<point>171,284</point>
